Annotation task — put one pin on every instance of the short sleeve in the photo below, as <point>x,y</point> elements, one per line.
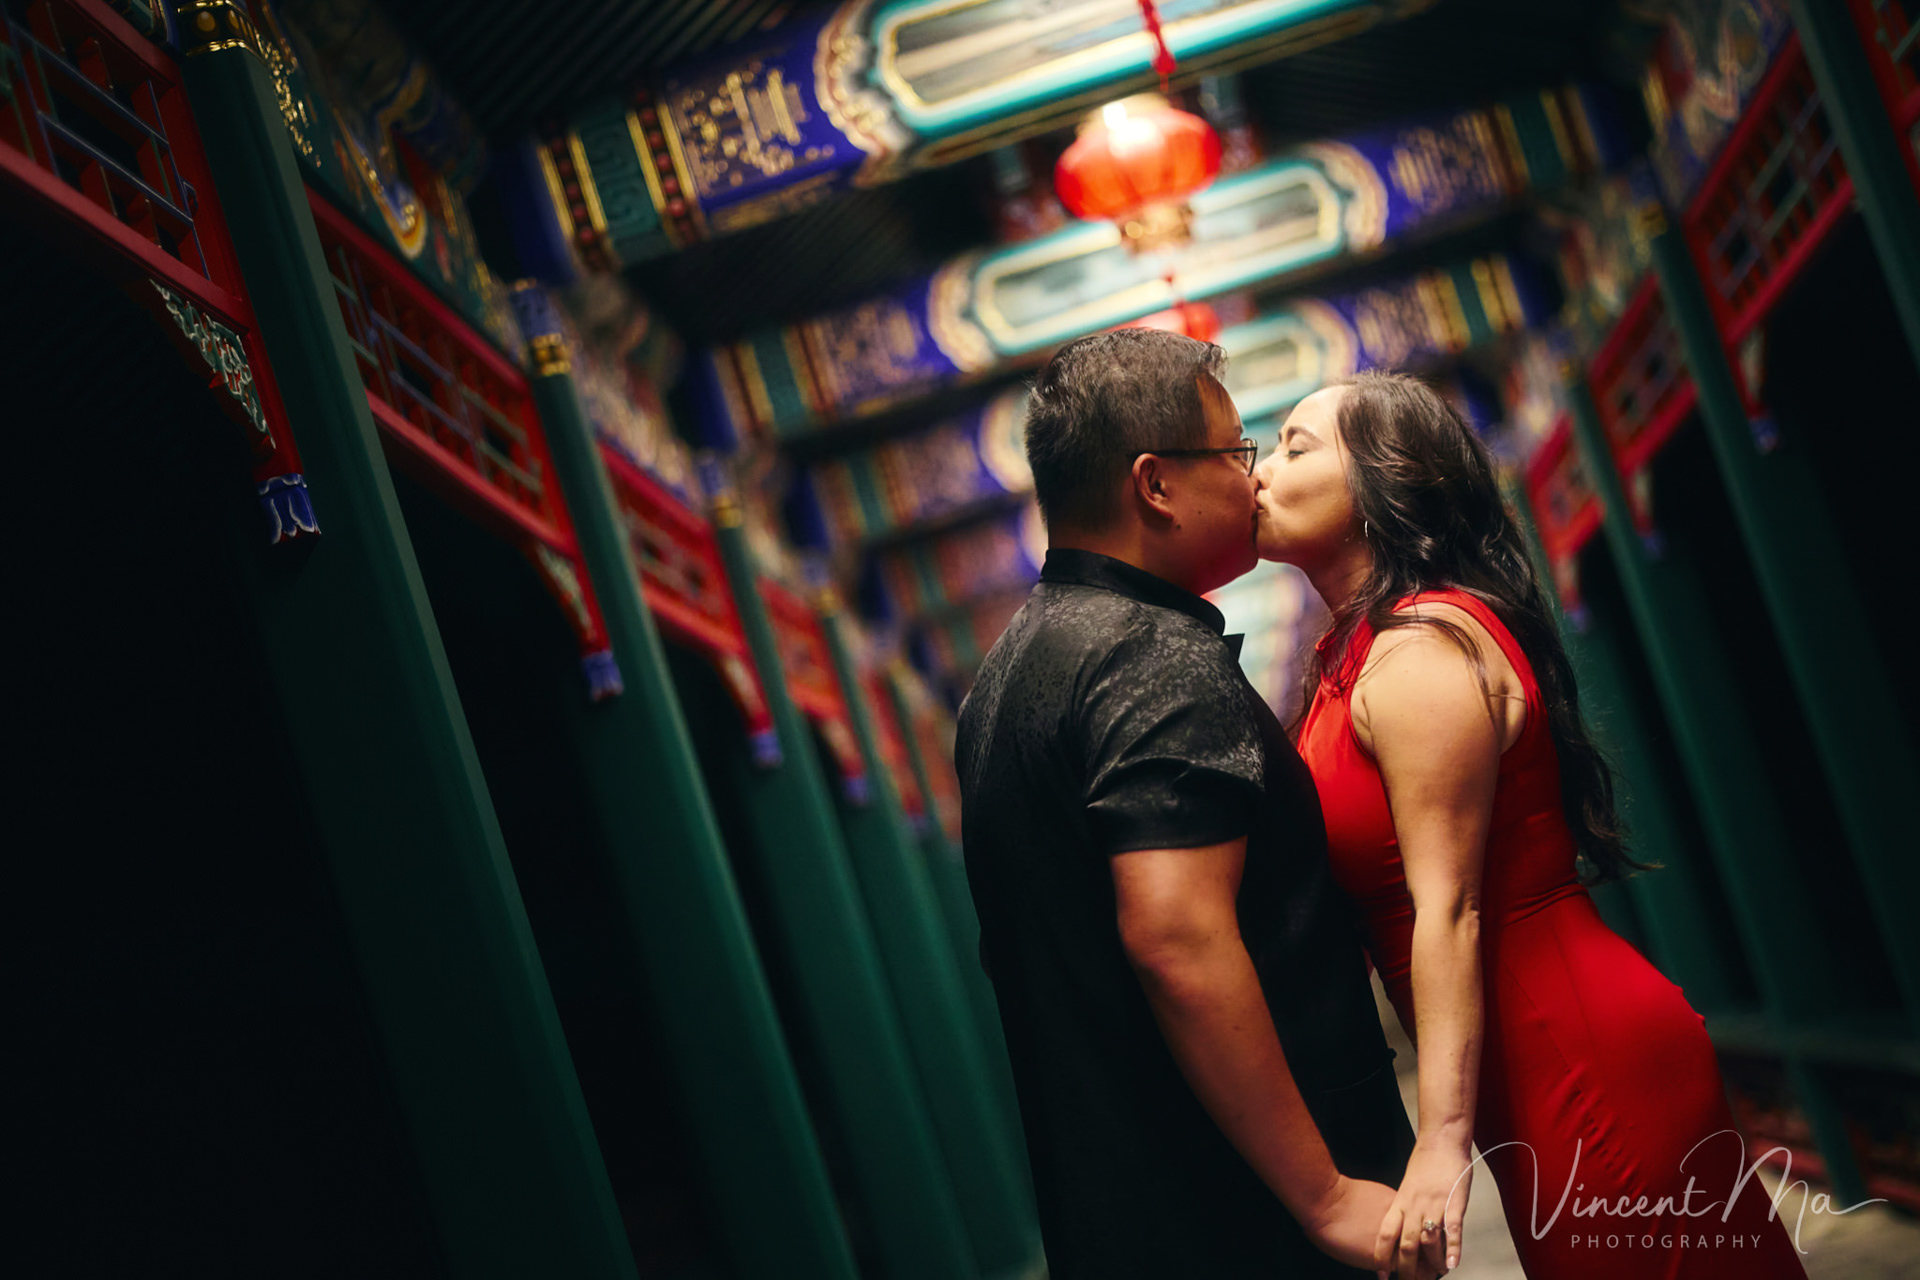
<point>1173,753</point>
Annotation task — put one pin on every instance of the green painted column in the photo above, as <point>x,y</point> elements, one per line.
<point>1745,830</point>
<point>392,786</point>
<point>1866,750</point>
<point>767,1179</point>
<point>946,868</point>
<point>1671,902</point>
<point>927,992</point>
<point>1882,184</point>
<point>828,944</point>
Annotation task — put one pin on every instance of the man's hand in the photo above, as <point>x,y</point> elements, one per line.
<point>1343,1227</point>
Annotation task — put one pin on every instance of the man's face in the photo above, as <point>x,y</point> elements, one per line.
<point>1215,498</point>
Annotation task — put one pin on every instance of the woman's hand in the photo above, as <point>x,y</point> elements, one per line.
<point>1433,730</point>
<point>1435,1188</point>
<point>1344,1224</point>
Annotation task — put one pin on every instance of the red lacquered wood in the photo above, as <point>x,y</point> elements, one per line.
<point>451,476</point>
<point>803,654</point>
<point>1737,319</point>
<point>712,624</point>
<point>417,293</point>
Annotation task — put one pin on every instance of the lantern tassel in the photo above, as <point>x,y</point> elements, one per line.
<point>1162,56</point>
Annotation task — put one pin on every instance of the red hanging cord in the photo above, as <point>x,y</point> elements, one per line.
<point>1164,64</point>
<point>1162,56</point>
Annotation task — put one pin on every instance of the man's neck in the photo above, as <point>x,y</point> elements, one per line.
<point>1128,545</point>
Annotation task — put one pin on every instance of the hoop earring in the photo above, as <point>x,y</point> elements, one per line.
<point>1366,530</point>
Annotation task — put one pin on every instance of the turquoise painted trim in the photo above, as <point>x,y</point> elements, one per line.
<point>1546,166</point>
<point>1229,198</point>
<point>633,224</point>
<point>1479,327</point>
<point>873,509</point>
<point>1210,267</point>
<point>933,592</point>
<point>1122,61</point>
<point>790,407</point>
<point>1273,398</point>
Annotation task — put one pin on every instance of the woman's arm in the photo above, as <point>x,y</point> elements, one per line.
<point>1421,709</point>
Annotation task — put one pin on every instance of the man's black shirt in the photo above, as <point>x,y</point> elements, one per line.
<point>1110,717</point>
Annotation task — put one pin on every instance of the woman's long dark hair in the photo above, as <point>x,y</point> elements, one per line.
<point>1425,491</point>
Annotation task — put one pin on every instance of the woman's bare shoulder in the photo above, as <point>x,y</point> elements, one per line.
<point>1431,642</point>
<point>1409,659</point>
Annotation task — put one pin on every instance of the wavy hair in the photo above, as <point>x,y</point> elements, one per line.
<point>1425,489</point>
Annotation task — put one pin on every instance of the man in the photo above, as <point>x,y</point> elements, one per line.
<point>1147,858</point>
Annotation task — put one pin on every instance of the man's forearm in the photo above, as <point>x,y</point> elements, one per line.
<point>1207,1000</point>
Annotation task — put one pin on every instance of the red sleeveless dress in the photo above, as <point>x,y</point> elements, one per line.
<point>1597,1079</point>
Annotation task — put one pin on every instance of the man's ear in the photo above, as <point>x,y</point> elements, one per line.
<point>1152,483</point>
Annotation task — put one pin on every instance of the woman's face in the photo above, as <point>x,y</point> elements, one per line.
<point>1305,508</point>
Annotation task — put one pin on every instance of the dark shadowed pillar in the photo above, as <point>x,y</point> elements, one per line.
<point>767,1180</point>
<point>1717,748</point>
<point>1671,902</point>
<point>927,992</point>
<point>827,942</point>
<point>1865,747</point>
<point>453,981</point>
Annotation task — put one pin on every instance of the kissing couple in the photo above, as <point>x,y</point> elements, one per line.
<point>1179,900</point>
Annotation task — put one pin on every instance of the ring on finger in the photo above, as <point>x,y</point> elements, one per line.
<point>1428,1226</point>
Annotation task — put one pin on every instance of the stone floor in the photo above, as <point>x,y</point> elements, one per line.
<point>1871,1243</point>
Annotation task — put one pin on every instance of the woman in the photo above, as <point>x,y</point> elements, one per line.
<point>1463,801</point>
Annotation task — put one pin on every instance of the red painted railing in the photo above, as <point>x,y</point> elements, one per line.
<point>811,680</point>
<point>1890,29</point>
<point>685,584</point>
<point>1566,510</point>
<point>1777,189</point>
<point>96,125</point>
<point>893,743</point>
<point>934,735</point>
<point>1779,186</point>
<point>1640,385</point>
<point>98,150</point>
<point>459,417</point>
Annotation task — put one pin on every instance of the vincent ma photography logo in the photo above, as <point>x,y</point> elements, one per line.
<point>1688,1218</point>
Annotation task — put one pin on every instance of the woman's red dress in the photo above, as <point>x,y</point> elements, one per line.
<point>1592,1065</point>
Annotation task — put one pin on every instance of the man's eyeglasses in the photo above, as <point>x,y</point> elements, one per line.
<point>1249,451</point>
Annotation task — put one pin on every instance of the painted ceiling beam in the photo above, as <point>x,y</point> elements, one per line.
<point>859,95</point>
<point>1309,210</point>
<point>977,460</point>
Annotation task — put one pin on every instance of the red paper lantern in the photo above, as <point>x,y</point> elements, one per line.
<point>1136,163</point>
<point>1196,320</point>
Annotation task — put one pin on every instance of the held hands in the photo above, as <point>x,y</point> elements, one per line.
<point>1345,1224</point>
<point>1438,1178</point>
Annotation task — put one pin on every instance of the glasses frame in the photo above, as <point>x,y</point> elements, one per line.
<point>1247,445</point>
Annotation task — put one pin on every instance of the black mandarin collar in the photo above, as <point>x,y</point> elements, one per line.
<point>1091,569</point>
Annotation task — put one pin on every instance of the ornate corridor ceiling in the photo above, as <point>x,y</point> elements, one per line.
<point>516,63</point>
